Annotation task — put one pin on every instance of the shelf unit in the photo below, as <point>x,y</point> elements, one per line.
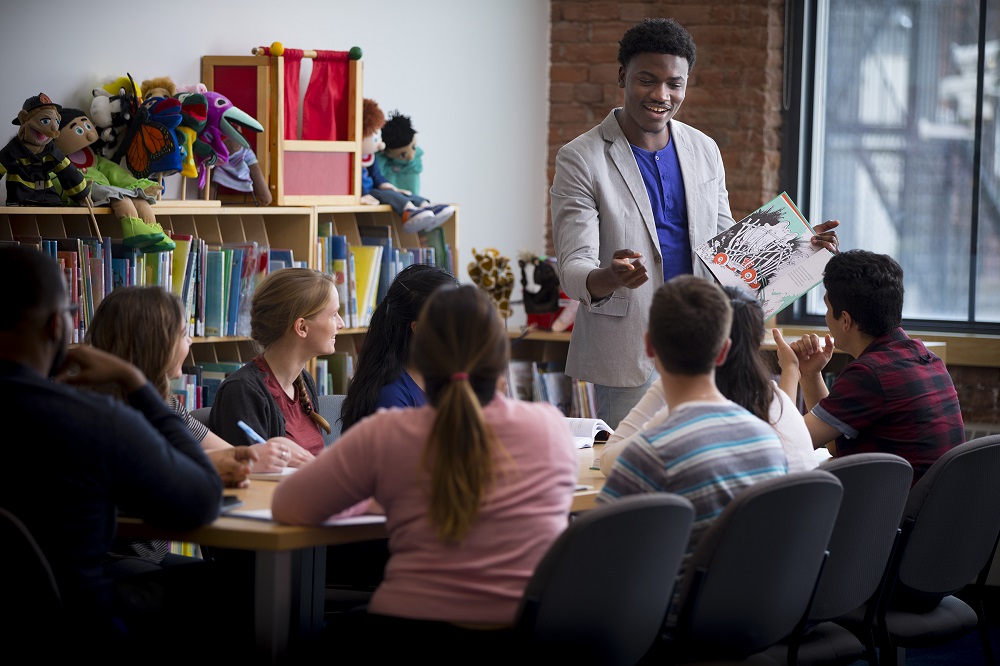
<point>294,228</point>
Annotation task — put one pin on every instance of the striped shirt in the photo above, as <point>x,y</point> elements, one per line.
<point>706,452</point>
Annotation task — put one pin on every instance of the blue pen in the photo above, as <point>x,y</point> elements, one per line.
<point>251,432</point>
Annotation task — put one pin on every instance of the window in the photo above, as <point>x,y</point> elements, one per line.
<point>889,116</point>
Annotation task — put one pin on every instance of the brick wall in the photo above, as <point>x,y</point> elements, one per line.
<point>733,95</point>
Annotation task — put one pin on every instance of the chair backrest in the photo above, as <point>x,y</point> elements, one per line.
<point>201,414</point>
<point>751,577</point>
<point>329,407</point>
<point>28,588</point>
<point>951,522</point>
<point>604,586</point>
<point>876,486</point>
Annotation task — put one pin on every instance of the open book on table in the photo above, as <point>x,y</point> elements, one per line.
<point>587,432</point>
<point>769,253</point>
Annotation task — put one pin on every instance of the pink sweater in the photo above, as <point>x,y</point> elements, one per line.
<point>482,579</point>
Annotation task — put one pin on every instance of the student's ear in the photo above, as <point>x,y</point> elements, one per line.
<point>300,327</point>
<point>649,346</point>
<point>846,320</point>
<point>413,326</point>
<point>54,323</point>
<point>621,76</point>
<point>724,352</point>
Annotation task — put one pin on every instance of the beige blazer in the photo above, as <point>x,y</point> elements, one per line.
<point>599,205</point>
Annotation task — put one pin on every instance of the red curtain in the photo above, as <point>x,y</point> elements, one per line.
<point>293,65</point>
<point>324,109</point>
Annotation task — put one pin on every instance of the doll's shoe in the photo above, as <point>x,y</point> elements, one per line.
<point>164,245</point>
<point>417,219</point>
<point>442,213</point>
<point>137,233</point>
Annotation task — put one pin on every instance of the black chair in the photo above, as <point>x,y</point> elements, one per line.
<point>949,532</point>
<point>600,594</point>
<point>876,486</point>
<point>32,606</point>
<point>752,576</point>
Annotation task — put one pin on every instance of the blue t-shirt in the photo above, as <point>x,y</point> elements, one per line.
<point>661,173</point>
<point>402,392</point>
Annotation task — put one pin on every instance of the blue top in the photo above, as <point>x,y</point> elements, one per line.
<point>401,392</point>
<point>661,172</point>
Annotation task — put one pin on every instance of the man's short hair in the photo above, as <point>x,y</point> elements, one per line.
<point>33,281</point>
<point>688,323</point>
<point>869,286</point>
<point>656,35</point>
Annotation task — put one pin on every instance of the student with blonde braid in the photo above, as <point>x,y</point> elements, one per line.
<point>475,488</point>
<point>293,319</point>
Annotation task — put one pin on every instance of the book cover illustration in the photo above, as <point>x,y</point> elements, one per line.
<point>769,253</point>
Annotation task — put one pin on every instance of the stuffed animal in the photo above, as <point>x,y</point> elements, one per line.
<point>242,173</point>
<point>491,272</point>
<point>112,185</point>
<point>221,120</point>
<point>418,214</point>
<point>31,158</point>
<point>401,161</point>
<point>545,304</point>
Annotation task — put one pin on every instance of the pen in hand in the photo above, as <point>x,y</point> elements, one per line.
<point>251,433</point>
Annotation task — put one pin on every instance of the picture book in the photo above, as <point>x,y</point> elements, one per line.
<point>588,431</point>
<point>769,253</point>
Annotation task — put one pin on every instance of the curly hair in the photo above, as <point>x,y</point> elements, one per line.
<point>656,35</point>
<point>372,118</point>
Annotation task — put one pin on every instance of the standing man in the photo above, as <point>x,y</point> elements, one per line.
<point>631,198</point>
<point>895,396</point>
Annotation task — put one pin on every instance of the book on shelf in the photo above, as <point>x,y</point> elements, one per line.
<point>520,381</point>
<point>769,253</point>
<point>280,258</point>
<point>341,366</point>
<point>352,290</point>
<point>587,432</point>
<point>180,270</point>
<point>381,234</point>
<point>338,269</point>
<point>368,267</point>
<point>215,320</point>
<point>435,239</point>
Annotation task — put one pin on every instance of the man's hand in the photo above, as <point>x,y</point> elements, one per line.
<point>626,270</point>
<point>826,236</point>
<point>87,366</point>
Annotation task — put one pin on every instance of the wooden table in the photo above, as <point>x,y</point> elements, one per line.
<point>290,562</point>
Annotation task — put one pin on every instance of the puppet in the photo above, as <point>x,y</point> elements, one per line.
<point>241,173</point>
<point>31,158</point>
<point>546,306</point>
<point>112,185</point>
<point>401,161</point>
<point>417,213</point>
<point>491,272</point>
<point>221,121</point>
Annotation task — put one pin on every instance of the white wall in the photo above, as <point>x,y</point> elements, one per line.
<point>472,75</point>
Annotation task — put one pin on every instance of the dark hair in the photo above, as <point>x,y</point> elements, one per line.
<point>744,378</point>
<point>461,348</point>
<point>689,321</point>
<point>397,131</point>
<point>869,286</point>
<point>387,342</point>
<point>656,35</point>
<point>34,285</point>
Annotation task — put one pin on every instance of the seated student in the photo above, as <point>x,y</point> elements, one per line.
<point>385,376</point>
<point>146,326</point>
<point>475,488</point>
<point>293,319</point>
<point>742,378</point>
<point>708,448</point>
<point>895,396</point>
<point>104,455</point>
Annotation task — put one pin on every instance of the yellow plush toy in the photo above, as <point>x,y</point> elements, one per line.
<point>492,273</point>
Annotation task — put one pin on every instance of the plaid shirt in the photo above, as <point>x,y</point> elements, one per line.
<point>896,397</point>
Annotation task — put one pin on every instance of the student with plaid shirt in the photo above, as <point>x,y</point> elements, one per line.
<point>895,396</point>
